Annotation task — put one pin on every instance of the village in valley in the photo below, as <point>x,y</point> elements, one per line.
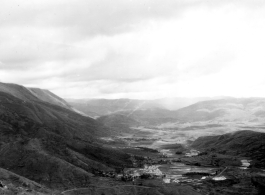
<point>147,168</point>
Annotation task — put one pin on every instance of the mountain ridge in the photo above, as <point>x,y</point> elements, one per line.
<point>33,94</point>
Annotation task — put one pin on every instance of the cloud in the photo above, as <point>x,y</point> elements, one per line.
<point>139,48</point>
<point>85,18</point>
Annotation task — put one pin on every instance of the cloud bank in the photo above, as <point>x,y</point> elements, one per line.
<point>134,49</point>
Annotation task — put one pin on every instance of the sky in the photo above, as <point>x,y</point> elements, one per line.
<point>140,49</point>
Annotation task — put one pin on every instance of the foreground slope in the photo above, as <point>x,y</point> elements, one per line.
<point>12,183</point>
<point>65,144</point>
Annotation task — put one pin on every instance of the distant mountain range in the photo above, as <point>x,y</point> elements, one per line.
<point>100,107</point>
<point>232,109</point>
<point>222,110</point>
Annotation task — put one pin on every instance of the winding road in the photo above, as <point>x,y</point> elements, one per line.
<point>93,189</point>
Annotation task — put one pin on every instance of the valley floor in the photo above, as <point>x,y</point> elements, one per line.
<point>163,164</point>
<point>205,173</point>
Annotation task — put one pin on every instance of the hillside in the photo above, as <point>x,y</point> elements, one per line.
<point>46,96</point>
<point>249,144</point>
<point>16,184</point>
<point>65,143</point>
<point>118,122</point>
<point>117,119</point>
<point>18,91</point>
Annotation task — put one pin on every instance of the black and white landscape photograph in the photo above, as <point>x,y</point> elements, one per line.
<point>132,97</point>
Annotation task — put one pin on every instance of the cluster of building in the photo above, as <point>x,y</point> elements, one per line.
<point>220,178</point>
<point>245,164</point>
<point>192,153</point>
<point>131,174</point>
<point>151,171</point>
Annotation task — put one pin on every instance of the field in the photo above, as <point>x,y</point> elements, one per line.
<point>182,133</point>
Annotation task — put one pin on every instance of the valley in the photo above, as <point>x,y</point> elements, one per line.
<point>145,151</point>
<point>177,163</point>
<point>132,97</point>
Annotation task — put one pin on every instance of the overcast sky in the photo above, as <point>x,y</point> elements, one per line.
<point>141,49</point>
